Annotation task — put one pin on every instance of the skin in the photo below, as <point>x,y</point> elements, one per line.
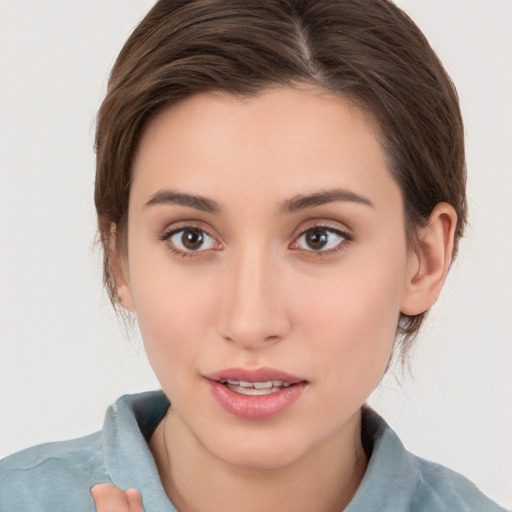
<point>109,498</point>
<point>257,294</point>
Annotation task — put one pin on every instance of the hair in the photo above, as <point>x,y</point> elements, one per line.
<point>367,51</point>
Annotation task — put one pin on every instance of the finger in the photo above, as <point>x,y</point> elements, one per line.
<point>109,498</point>
<point>134,500</point>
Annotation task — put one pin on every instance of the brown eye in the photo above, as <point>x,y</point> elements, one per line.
<point>317,239</point>
<point>191,240</point>
<point>321,239</point>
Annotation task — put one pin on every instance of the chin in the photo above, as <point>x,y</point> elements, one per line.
<point>264,451</point>
<point>263,459</point>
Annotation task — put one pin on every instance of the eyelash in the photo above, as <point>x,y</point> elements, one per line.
<point>347,238</point>
<point>166,237</point>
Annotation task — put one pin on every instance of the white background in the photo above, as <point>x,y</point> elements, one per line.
<point>63,357</point>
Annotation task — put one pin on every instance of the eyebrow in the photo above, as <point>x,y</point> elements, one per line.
<point>302,202</point>
<point>200,203</point>
<point>295,204</point>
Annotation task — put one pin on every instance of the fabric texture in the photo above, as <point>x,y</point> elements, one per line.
<point>57,477</point>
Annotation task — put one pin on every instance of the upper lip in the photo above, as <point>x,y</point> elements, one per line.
<point>255,375</point>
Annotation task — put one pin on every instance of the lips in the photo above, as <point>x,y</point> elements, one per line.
<point>255,394</point>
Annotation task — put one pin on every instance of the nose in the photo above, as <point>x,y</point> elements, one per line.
<point>253,301</point>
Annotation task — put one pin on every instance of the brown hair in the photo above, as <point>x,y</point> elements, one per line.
<point>368,51</point>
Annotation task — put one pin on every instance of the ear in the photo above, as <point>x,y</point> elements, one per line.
<point>429,262</point>
<point>119,266</point>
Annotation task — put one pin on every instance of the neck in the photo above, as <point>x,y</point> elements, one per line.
<point>325,479</point>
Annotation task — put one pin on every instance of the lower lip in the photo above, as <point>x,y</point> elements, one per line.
<point>256,407</point>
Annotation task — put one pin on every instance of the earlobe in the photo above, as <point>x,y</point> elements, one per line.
<point>125,296</point>
<point>119,268</point>
<point>430,261</point>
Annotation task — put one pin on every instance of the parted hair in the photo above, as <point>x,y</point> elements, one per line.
<point>367,51</point>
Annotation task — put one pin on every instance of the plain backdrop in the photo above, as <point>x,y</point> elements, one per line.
<point>63,356</point>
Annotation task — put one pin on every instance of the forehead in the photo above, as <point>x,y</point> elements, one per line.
<point>282,142</point>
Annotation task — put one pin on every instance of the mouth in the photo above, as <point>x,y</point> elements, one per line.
<point>255,394</point>
<point>261,381</point>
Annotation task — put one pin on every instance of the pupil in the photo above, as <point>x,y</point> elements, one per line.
<point>317,239</point>
<point>192,239</point>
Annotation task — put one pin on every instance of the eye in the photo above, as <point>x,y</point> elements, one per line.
<point>321,239</point>
<point>190,240</point>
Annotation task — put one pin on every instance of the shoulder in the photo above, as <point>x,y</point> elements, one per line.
<point>52,476</point>
<point>398,481</point>
<point>441,489</point>
<point>57,477</point>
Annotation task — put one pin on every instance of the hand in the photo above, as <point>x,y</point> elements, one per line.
<point>109,498</point>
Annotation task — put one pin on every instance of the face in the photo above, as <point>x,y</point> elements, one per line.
<point>266,244</point>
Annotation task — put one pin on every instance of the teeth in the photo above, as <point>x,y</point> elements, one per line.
<point>255,388</point>
<point>262,385</point>
<point>253,391</point>
<point>258,385</point>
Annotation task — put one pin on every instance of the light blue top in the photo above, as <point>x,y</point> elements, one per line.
<point>57,477</point>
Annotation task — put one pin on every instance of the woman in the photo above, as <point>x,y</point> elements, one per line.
<point>280,192</point>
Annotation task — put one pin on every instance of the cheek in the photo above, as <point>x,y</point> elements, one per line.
<point>351,323</point>
<point>175,315</point>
